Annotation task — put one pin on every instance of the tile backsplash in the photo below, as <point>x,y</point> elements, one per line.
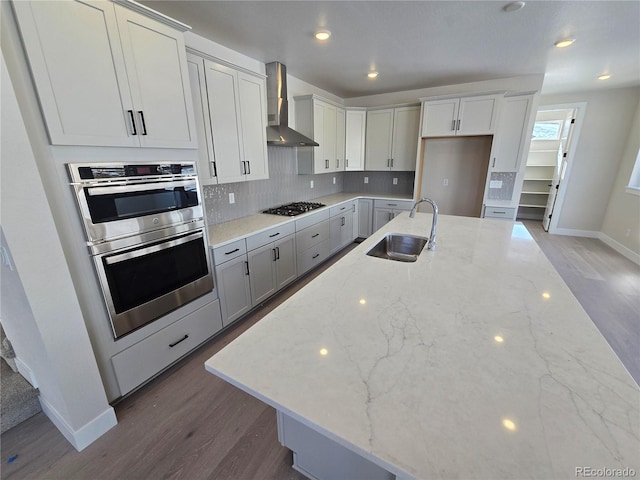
<point>379,182</point>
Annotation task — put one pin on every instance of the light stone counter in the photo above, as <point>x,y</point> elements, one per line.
<point>475,362</point>
<point>228,232</point>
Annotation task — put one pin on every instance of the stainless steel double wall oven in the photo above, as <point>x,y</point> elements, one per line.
<point>146,233</point>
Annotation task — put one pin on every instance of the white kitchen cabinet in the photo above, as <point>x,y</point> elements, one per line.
<point>512,136</point>
<point>365,217</point>
<point>312,240</point>
<point>324,122</point>
<point>107,75</point>
<point>271,267</point>
<point>392,138</point>
<point>474,115</point>
<point>341,226</point>
<point>385,210</point>
<point>237,120</point>
<point>232,278</point>
<point>355,130</point>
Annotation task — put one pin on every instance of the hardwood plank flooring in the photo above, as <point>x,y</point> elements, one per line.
<point>189,424</point>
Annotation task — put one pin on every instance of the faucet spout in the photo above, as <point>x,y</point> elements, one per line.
<point>432,235</point>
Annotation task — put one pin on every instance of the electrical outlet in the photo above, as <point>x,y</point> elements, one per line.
<point>232,198</point>
<point>395,181</point>
<point>311,184</point>
<point>495,184</point>
<point>366,179</point>
<point>445,182</point>
<point>334,180</point>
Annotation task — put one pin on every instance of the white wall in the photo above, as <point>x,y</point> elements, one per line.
<point>622,218</point>
<point>604,134</point>
<point>46,325</point>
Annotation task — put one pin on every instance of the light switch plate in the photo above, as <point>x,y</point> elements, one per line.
<point>366,179</point>
<point>495,184</point>
<point>232,198</point>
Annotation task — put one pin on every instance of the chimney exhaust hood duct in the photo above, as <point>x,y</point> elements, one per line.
<point>278,131</point>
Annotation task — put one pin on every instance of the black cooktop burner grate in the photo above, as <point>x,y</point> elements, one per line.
<point>295,208</point>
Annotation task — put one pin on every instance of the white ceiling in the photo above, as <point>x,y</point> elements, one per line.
<point>420,44</point>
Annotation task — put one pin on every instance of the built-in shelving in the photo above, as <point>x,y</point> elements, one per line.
<point>538,178</point>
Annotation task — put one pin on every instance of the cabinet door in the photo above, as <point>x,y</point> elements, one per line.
<point>336,224</point>
<point>378,139</point>
<point>381,216</point>
<point>340,139</point>
<point>320,165</point>
<point>286,268</point>
<point>347,229</point>
<point>234,288</point>
<point>478,115</point>
<point>78,69</point>
<point>439,118</point>
<point>355,135</point>
<point>512,135</point>
<point>156,63</point>
<point>329,135</point>
<point>206,158</point>
<point>365,217</point>
<point>262,272</point>
<point>222,95</point>
<point>253,115</point>
<point>406,123</point>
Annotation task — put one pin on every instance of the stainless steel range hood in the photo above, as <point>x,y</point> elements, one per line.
<point>278,131</point>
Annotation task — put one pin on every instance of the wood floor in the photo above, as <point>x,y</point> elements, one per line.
<point>189,424</point>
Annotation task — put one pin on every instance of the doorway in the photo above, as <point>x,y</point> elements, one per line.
<point>547,169</point>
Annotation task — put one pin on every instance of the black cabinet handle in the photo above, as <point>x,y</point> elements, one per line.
<point>171,345</point>
<point>343,222</point>
<point>277,253</point>
<point>247,265</point>
<point>316,255</point>
<point>215,169</point>
<point>274,235</point>
<point>133,123</point>
<point>144,126</point>
<point>314,236</point>
<point>248,168</point>
<point>232,251</point>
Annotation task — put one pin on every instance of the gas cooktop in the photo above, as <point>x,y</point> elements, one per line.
<point>293,209</point>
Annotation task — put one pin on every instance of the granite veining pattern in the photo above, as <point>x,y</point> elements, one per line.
<point>475,362</point>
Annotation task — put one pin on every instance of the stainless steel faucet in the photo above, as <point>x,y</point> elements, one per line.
<point>432,236</point>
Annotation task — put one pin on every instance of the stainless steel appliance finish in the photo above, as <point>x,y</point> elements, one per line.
<point>146,233</point>
<point>278,131</point>
<point>295,208</point>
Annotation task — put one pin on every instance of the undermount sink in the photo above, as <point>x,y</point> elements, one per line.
<point>399,247</point>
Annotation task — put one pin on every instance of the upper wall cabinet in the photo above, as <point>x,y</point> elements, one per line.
<point>107,75</point>
<point>512,134</point>
<point>460,116</point>
<point>392,138</point>
<point>324,122</point>
<point>356,125</point>
<point>231,107</point>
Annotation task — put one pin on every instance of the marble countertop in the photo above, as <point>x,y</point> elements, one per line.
<point>476,361</point>
<point>228,232</point>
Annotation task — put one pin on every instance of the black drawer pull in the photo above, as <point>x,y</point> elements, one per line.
<point>343,208</point>
<point>144,126</point>
<point>316,255</point>
<point>274,235</point>
<point>171,345</point>
<point>503,213</point>
<point>314,236</point>
<point>133,123</point>
<point>392,204</point>
<point>232,251</point>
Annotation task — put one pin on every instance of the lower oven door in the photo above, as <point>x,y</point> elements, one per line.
<point>145,282</point>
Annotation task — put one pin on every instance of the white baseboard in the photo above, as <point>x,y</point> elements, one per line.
<point>26,372</point>
<point>85,435</point>
<point>621,249</point>
<point>575,233</point>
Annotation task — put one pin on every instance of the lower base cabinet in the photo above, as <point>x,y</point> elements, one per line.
<point>384,211</point>
<point>272,267</point>
<point>234,288</point>
<point>341,227</point>
<point>142,361</point>
<point>364,225</point>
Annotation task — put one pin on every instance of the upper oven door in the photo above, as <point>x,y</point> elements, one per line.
<point>111,211</point>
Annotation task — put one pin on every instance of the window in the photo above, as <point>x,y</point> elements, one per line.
<point>547,130</point>
<point>634,181</point>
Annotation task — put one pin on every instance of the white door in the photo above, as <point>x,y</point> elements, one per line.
<point>378,139</point>
<point>406,123</point>
<point>355,135</point>
<point>439,116</point>
<point>340,139</point>
<point>252,98</point>
<point>553,190</point>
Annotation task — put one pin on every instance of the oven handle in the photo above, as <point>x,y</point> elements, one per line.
<point>138,187</point>
<point>113,259</point>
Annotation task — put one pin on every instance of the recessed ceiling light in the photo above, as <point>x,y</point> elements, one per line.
<point>513,6</point>
<point>606,76</point>
<point>323,34</point>
<point>564,43</point>
<point>372,74</point>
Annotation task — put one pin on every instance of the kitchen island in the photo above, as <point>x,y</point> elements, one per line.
<point>476,361</point>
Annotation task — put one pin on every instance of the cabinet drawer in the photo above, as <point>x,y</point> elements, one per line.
<point>499,212</point>
<point>141,361</point>
<point>310,236</point>
<point>312,219</point>
<point>342,208</point>
<point>229,251</point>
<point>271,235</point>
<point>394,204</point>
<point>313,256</point>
